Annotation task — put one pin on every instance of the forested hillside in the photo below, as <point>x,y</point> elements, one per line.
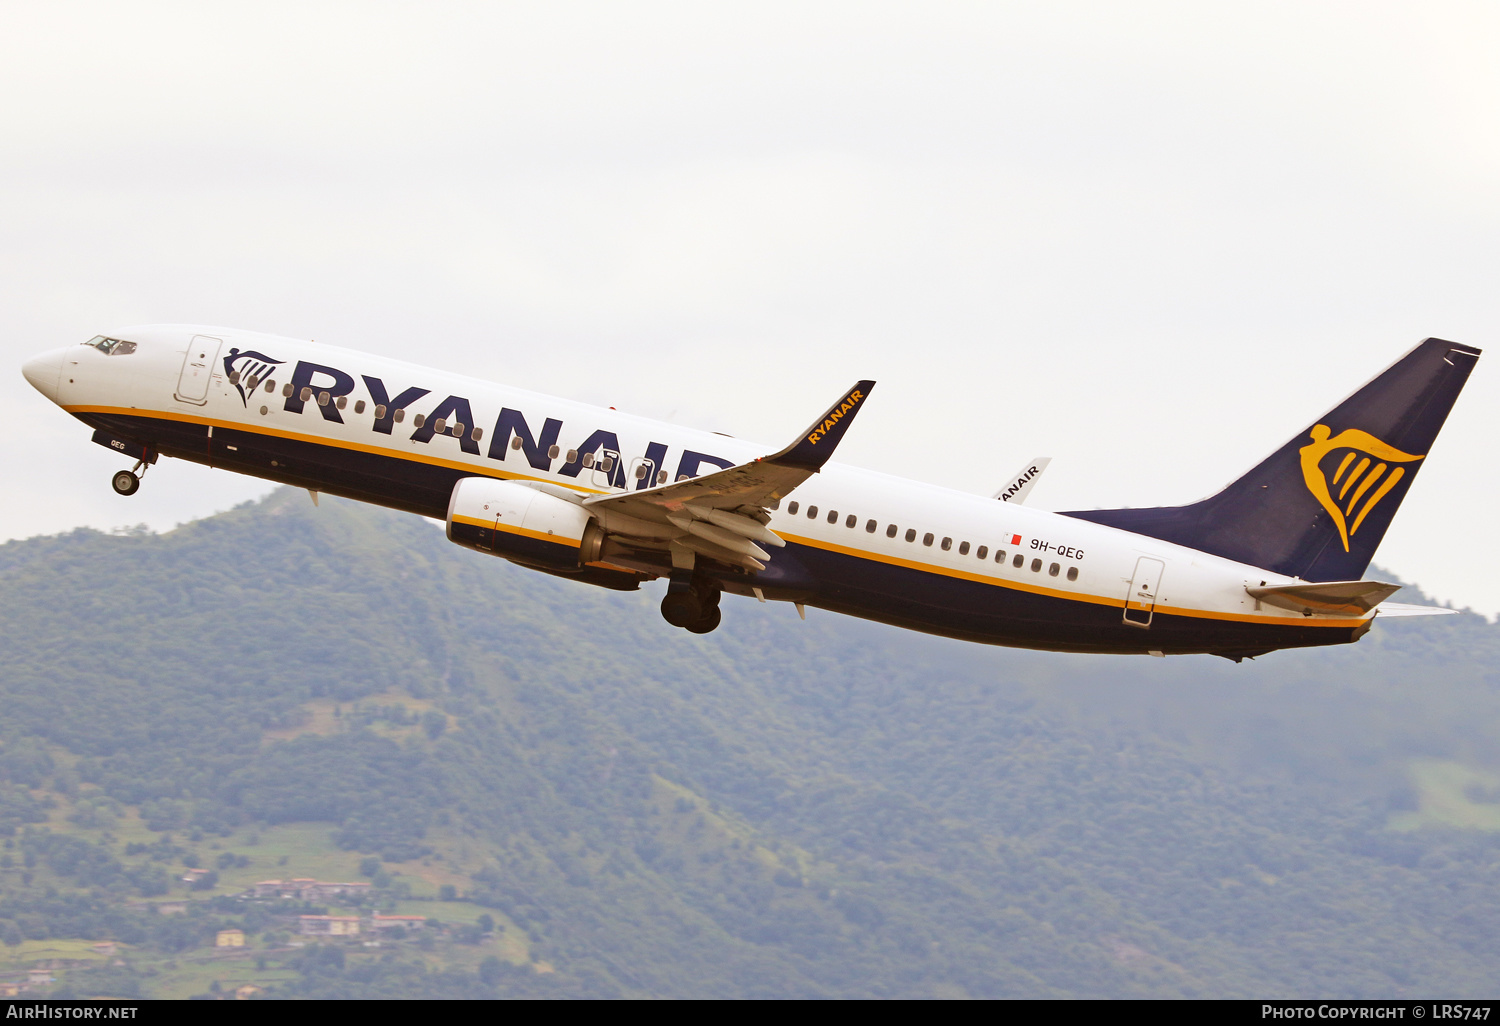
<point>591,803</point>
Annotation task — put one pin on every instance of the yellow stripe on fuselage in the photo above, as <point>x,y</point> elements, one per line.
<point>336,443</point>
<point>1037,589</point>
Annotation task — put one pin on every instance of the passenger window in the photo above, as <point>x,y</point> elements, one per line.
<point>552,450</point>
<point>1036,566</point>
<point>1072,573</point>
<point>641,472</point>
<point>774,504</point>
<point>812,512</point>
<point>478,433</point>
<point>399,416</point>
<point>342,402</point>
<point>792,508</point>
<point>947,544</point>
<point>927,538</point>
<point>833,516</point>
<point>1052,571</point>
<point>271,385</point>
<point>323,398</point>
<point>911,534</point>
<point>661,477</point>
<point>963,548</point>
<point>682,477</point>
<point>458,430</point>
<point>870,526</point>
<point>999,555</point>
<point>380,413</point>
<point>419,420</point>
<point>305,394</point>
<point>515,443</point>
<point>572,456</point>
<point>359,406</point>
<point>890,532</point>
<point>982,552</point>
<point>588,459</point>
<point>609,464</point>
<point>851,521</point>
<point>439,425</point>
<point>234,378</point>
<point>286,389</point>
<point>1019,561</point>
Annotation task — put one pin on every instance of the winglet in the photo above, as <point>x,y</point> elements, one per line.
<point>1019,486</point>
<point>823,435</point>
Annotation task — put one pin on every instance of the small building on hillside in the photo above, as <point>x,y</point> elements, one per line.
<point>246,992</point>
<point>378,922</point>
<point>104,948</point>
<point>229,939</point>
<point>10,988</point>
<point>38,977</point>
<point>328,926</point>
<point>308,889</point>
<point>171,908</point>
<point>322,890</point>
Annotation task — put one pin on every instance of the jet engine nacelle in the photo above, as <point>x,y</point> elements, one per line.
<point>522,524</point>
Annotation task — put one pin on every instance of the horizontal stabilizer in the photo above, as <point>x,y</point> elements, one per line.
<point>1407,609</point>
<point>1351,597</point>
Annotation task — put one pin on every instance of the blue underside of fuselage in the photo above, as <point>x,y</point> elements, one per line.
<point>907,597</point>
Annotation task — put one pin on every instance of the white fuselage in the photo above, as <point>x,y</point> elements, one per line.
<point>177,376</point>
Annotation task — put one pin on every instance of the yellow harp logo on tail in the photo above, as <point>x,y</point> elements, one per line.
<point>1353,475</point>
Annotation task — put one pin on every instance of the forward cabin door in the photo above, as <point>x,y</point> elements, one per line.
<point>197,367</point>
<point>1140,601</point>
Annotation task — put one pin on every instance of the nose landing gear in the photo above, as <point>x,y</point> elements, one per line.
<point>692,604</point>
<point>128,482</point>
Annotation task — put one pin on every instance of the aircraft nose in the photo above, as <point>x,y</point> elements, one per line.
<point>43,372</point>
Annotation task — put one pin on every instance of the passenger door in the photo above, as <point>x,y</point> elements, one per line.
<point>197,368</point>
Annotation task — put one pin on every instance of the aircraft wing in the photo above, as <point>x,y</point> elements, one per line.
<point>724,513</point>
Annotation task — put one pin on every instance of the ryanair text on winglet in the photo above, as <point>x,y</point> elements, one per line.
<point>850,401</point>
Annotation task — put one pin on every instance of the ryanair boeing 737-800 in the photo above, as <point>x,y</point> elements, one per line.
<point>1275,560</point>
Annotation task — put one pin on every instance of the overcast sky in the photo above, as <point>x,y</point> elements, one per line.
<point>1151,240</point>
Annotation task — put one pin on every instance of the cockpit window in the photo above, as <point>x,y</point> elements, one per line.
<point>111,346</point>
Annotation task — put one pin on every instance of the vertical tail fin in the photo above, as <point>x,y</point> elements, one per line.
<point>1318,506</point>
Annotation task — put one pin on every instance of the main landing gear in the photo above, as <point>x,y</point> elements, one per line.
<point>128,482</point>
<point>692,604</point>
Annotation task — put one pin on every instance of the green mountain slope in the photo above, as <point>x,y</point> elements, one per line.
<point>828,808</point>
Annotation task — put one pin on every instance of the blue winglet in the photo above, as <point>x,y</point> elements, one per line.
<point>823,435</point>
